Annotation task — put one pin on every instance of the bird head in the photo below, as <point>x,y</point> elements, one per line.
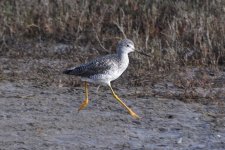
<point>125,46</point>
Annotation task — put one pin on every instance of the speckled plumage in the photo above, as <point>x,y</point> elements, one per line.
<point>105,69</point>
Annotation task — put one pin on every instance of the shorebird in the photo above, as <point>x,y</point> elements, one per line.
<point>105,69</point>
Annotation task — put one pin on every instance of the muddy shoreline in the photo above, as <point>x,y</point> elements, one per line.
<point>34,117</point>
<point>38,110</point>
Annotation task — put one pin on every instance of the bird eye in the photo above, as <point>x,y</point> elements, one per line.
<point>127,45</point>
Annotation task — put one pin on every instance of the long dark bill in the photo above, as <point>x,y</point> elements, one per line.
<point>142,53</point>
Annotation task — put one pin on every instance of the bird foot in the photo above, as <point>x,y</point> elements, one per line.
<point>83,105</point>
<point>134,115</point>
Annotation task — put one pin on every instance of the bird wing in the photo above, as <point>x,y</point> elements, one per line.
<point>97,66</point>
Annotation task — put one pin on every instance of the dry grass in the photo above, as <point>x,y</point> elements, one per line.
<point>179,31</point>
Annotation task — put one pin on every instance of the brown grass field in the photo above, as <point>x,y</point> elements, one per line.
<point>177,32</point>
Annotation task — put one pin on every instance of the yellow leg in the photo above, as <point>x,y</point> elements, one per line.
<point>133,114</point>
<point>85,102</point>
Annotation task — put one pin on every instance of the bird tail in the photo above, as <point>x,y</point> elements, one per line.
<point>73,71</point>
<point>68,71</point>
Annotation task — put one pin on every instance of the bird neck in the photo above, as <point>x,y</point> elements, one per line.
<point>123,55</point>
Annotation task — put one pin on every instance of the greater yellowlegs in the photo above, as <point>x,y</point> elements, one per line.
<point>105,69</point>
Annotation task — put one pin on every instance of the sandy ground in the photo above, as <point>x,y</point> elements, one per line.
<point>36,117</point>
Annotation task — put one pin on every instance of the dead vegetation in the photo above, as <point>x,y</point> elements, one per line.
<point>177,34</point>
